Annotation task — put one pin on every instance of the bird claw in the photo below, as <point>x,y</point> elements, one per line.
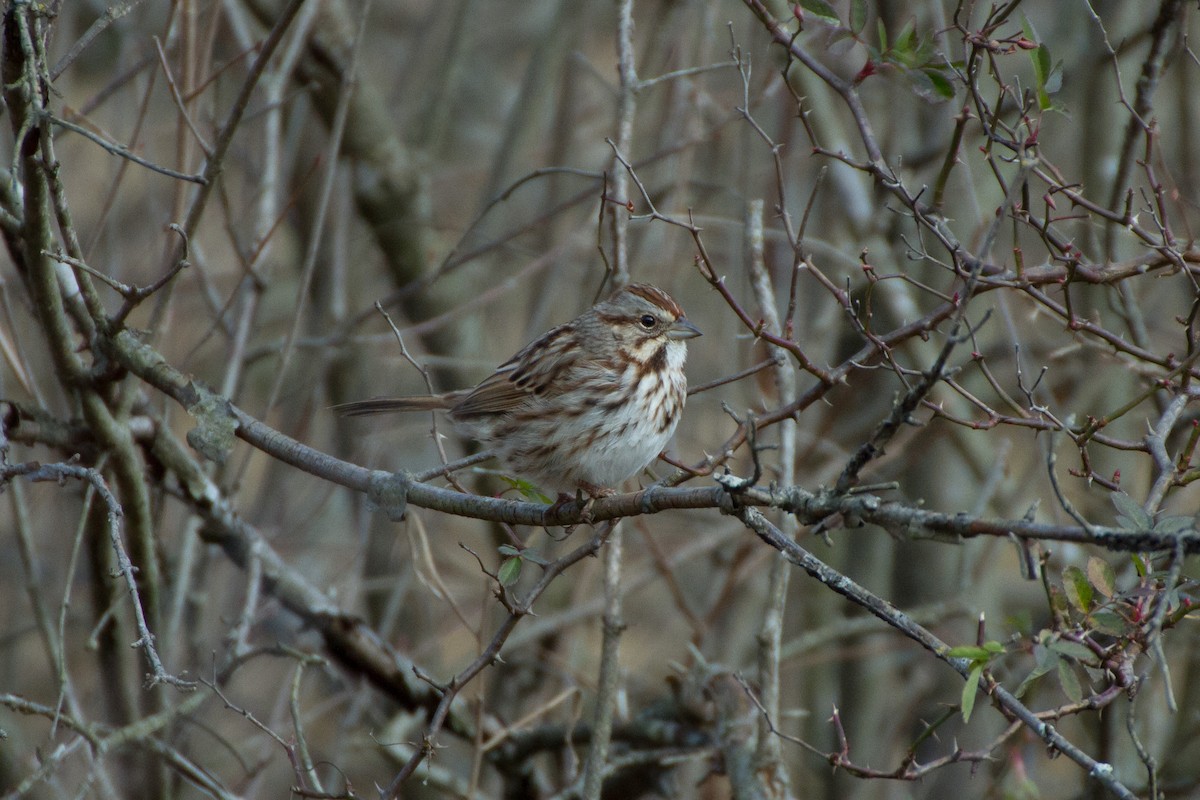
<point>594,493</point>
<point>585,497</point>
<point>561,502</point>
<point>585,511</point>
<point>565,501</point>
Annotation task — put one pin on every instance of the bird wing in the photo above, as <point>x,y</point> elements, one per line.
<point>534,372</point>
<point>495,395</point>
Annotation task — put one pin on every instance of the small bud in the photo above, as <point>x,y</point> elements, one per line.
<point>868,69</point>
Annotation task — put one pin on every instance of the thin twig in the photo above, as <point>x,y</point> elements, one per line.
<point>118,150</point>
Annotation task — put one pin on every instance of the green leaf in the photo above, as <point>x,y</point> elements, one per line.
<point>1077,588</point>
<point>941,84</point>
<point>1139,564</point>
<point>510,570</point>
<point>970,652</point>
<point>883,39</point>
<point>1130,514</point>
<point>858,16</point>
<point>526,489</point>
<point>533,557</point>
<point>969,690</point>
<point>1058,601</point>
<point>1041,63</point>
<point>1080,652</point>
<point>1055,78</point>
<point>1027,28</point>
<point>1070,682</point>
<point>906,40</point>
<point>924,84</point>
<point>926,53</point>
<point>527,555</point>
<point>995,648</point>
<point>1032,677</point>
<point>1047,75</point>
<point>1041,71</point>
<point>822,9</point>
<point>1171,526</point>
<point>1110,623</point>
<point>1101,575</point>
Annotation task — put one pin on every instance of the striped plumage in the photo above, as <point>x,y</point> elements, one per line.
<point>584,407</point>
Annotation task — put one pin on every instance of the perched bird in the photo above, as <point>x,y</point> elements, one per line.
<point>585,406</point>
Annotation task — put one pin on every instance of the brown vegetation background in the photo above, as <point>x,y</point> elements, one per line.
<point>942,439</point>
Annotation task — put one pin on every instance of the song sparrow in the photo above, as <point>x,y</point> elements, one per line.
<point>584,407</point>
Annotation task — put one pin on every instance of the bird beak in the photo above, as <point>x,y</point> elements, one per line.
<point>683,329</point>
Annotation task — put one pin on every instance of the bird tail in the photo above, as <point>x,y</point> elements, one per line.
<point>389,405</point>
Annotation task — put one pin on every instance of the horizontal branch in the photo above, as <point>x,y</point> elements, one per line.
<point>907,521</point>
<point>219,420</point>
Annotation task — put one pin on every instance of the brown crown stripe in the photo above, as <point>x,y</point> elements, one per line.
<point>656,296</point>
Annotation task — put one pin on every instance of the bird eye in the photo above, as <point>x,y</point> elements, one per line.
<point>647,321</point>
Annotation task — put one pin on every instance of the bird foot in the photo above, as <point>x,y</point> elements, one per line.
<point>594,493</point>
<point>564,500</point>
<point>585,497</point>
